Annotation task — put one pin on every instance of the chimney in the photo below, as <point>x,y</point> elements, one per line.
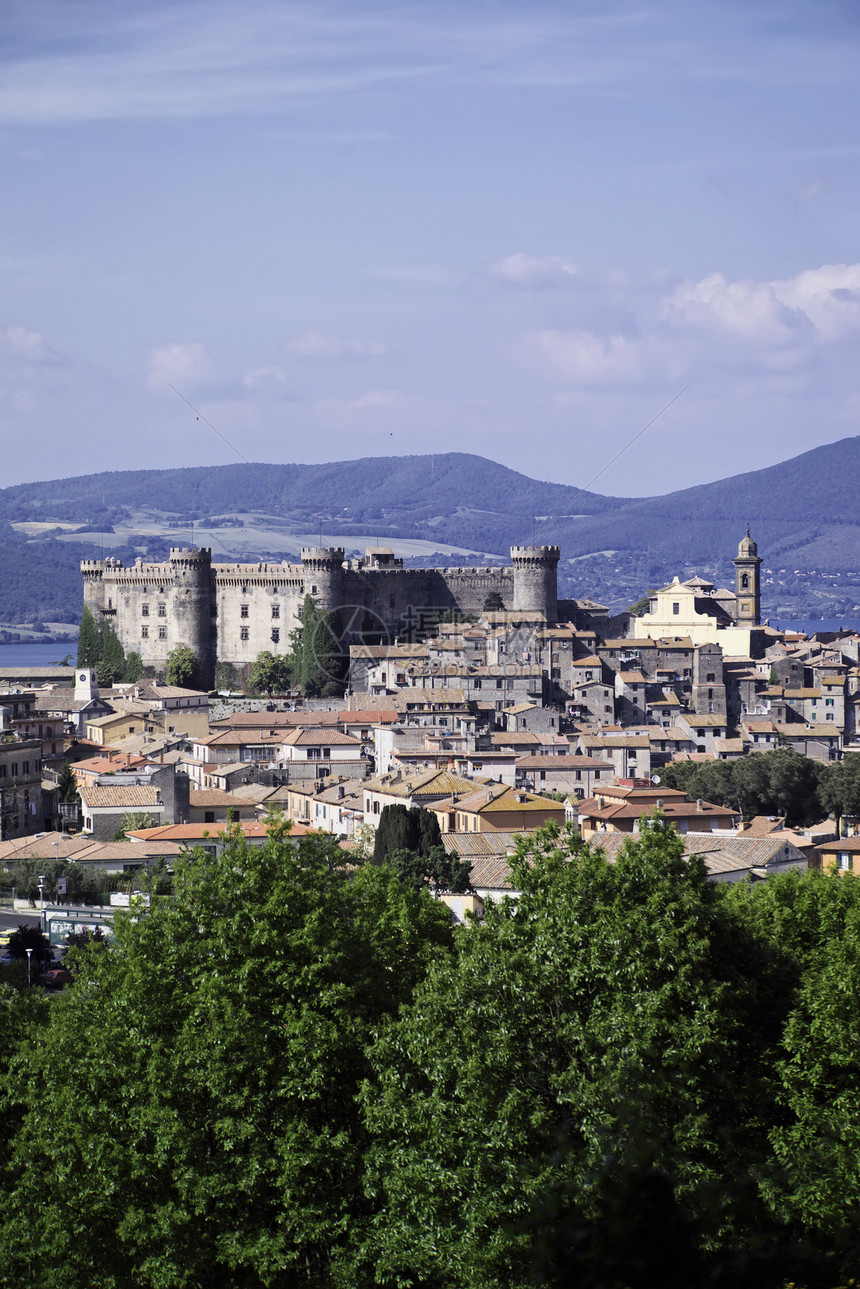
<point>700,805</point>
<point>659,803</point>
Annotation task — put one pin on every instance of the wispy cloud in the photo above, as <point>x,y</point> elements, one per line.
<point>99,60</point>
<point>316,344</point>
<point>25,348</point>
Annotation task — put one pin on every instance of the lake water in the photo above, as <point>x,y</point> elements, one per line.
<point>37,653</point>
<point>810,625</point>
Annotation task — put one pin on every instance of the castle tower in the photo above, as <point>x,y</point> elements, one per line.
<point>192,609</point>
<point>747,583</point>
<point>323,569</point>
<point>536,580</point>
<point>94,587</point>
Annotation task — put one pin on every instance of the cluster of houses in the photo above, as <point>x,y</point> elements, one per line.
<point>499,725</point>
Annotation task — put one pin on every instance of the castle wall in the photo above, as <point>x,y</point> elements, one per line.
<point>233,612</point>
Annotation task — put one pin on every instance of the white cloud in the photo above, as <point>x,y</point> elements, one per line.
<point>534,271</point>
<point>264,377</point>
<point>314,344</point>
<point>28,348</point>
<point>374,398</point>
<point>823,302</point>
<point>185,364</point>
<point>585,358</point>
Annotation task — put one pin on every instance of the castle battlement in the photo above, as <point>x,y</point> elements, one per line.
<point>232,612</point>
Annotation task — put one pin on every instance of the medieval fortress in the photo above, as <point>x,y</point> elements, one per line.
<point>230,613</point>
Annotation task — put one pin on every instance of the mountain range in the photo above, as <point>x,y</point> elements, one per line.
<point>803,513</point>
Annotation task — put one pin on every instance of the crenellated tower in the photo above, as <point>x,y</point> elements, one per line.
<point>94,586</point>
<point>536,580</point>
<point>324,575</point>
<point>192,605</point>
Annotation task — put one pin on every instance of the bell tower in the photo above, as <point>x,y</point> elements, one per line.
<point>747,583</point>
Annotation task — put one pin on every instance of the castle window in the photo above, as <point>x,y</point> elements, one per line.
<point>144,609</point>
<point>276,635</point>
<point>243,611</point>
<point>243,633</point>
<point>162,610</point>
<point>162,633</point>
<point>144,633</point>
<point>711,676</point>
<point>276,610</point>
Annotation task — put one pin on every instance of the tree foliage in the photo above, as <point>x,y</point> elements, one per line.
<point>215,1052</point>
<point>270,674</point>
<point>323,661</point>
<point>183,667</point>
<point>781,782</point>
<point>291,1074</point>
<point>67,784</point>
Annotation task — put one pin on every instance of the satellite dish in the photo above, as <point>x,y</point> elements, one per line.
<point>655,778</point>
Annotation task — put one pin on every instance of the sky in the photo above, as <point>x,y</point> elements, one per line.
<point>338,229</point>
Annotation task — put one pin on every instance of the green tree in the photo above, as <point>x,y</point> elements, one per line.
<point>214,1051</point>
<point>29,937</point>
<point>67,784</point>
<point>437,868</point>
<point>133,821</point>
<point>270,674</point>
<point>89,641</point>
<point>604,1030</point>
<point>493,603</point>
<point>323,660</point>
<point>133,668</point>
<point>183,667</point>
<point>111,663</point>
<point>405,828</point>
<point>839,787</point>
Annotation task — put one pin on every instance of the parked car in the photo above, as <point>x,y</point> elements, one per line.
<point>57,977</point>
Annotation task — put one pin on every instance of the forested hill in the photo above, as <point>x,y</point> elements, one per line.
<point>415,487</point>
<point>802,512</point>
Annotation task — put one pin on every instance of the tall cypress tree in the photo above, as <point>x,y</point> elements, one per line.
<point>89,641</point>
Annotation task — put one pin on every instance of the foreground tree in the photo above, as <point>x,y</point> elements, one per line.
<point>595,1053</point>
<point>191,1111</point>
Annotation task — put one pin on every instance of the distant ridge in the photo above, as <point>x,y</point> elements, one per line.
<point>803,513</point>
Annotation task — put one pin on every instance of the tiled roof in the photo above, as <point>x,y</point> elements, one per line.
<point>317,737</point>
<point>118,796</point>
<point>202,797</point>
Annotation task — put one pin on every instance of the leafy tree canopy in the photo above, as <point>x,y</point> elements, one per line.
<point>183,667</point>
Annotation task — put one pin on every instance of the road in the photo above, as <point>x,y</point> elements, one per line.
<point>10,919</point>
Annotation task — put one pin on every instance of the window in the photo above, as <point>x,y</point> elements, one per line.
<point>828,702</point>
<point>243,611</point>
<point>209,816</point>
<point>26,767</point>
<point>276,610</point>
<point>676,608</point>
<point>243,633</point>
<point>144,633</point>
<point>2,771</point>
<point>844,859</point>
<point>144,609</point>
<point>162,610</point>
<point>711,676</point>
<point>745,581</point>
<point>829,716</point>
<point>162,633</point>
<point>276,635</point>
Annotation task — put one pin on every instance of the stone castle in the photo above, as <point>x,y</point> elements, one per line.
<point>230,613</point>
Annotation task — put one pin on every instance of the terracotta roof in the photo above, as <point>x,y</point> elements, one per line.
<point>202,797</point>
<point>317,737</point>
<point>500,797</point>
<point>252,829</point>
<point>118,796</point>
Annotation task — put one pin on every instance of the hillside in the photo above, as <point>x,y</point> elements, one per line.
<point>453,507</point>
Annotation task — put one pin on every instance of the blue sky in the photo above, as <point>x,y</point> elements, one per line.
<point>353,229</point>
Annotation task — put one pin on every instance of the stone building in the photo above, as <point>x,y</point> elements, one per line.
<point>232,612</point>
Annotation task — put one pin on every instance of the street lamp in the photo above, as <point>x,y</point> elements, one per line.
<point>41,890</point>
<point>29,953</point>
